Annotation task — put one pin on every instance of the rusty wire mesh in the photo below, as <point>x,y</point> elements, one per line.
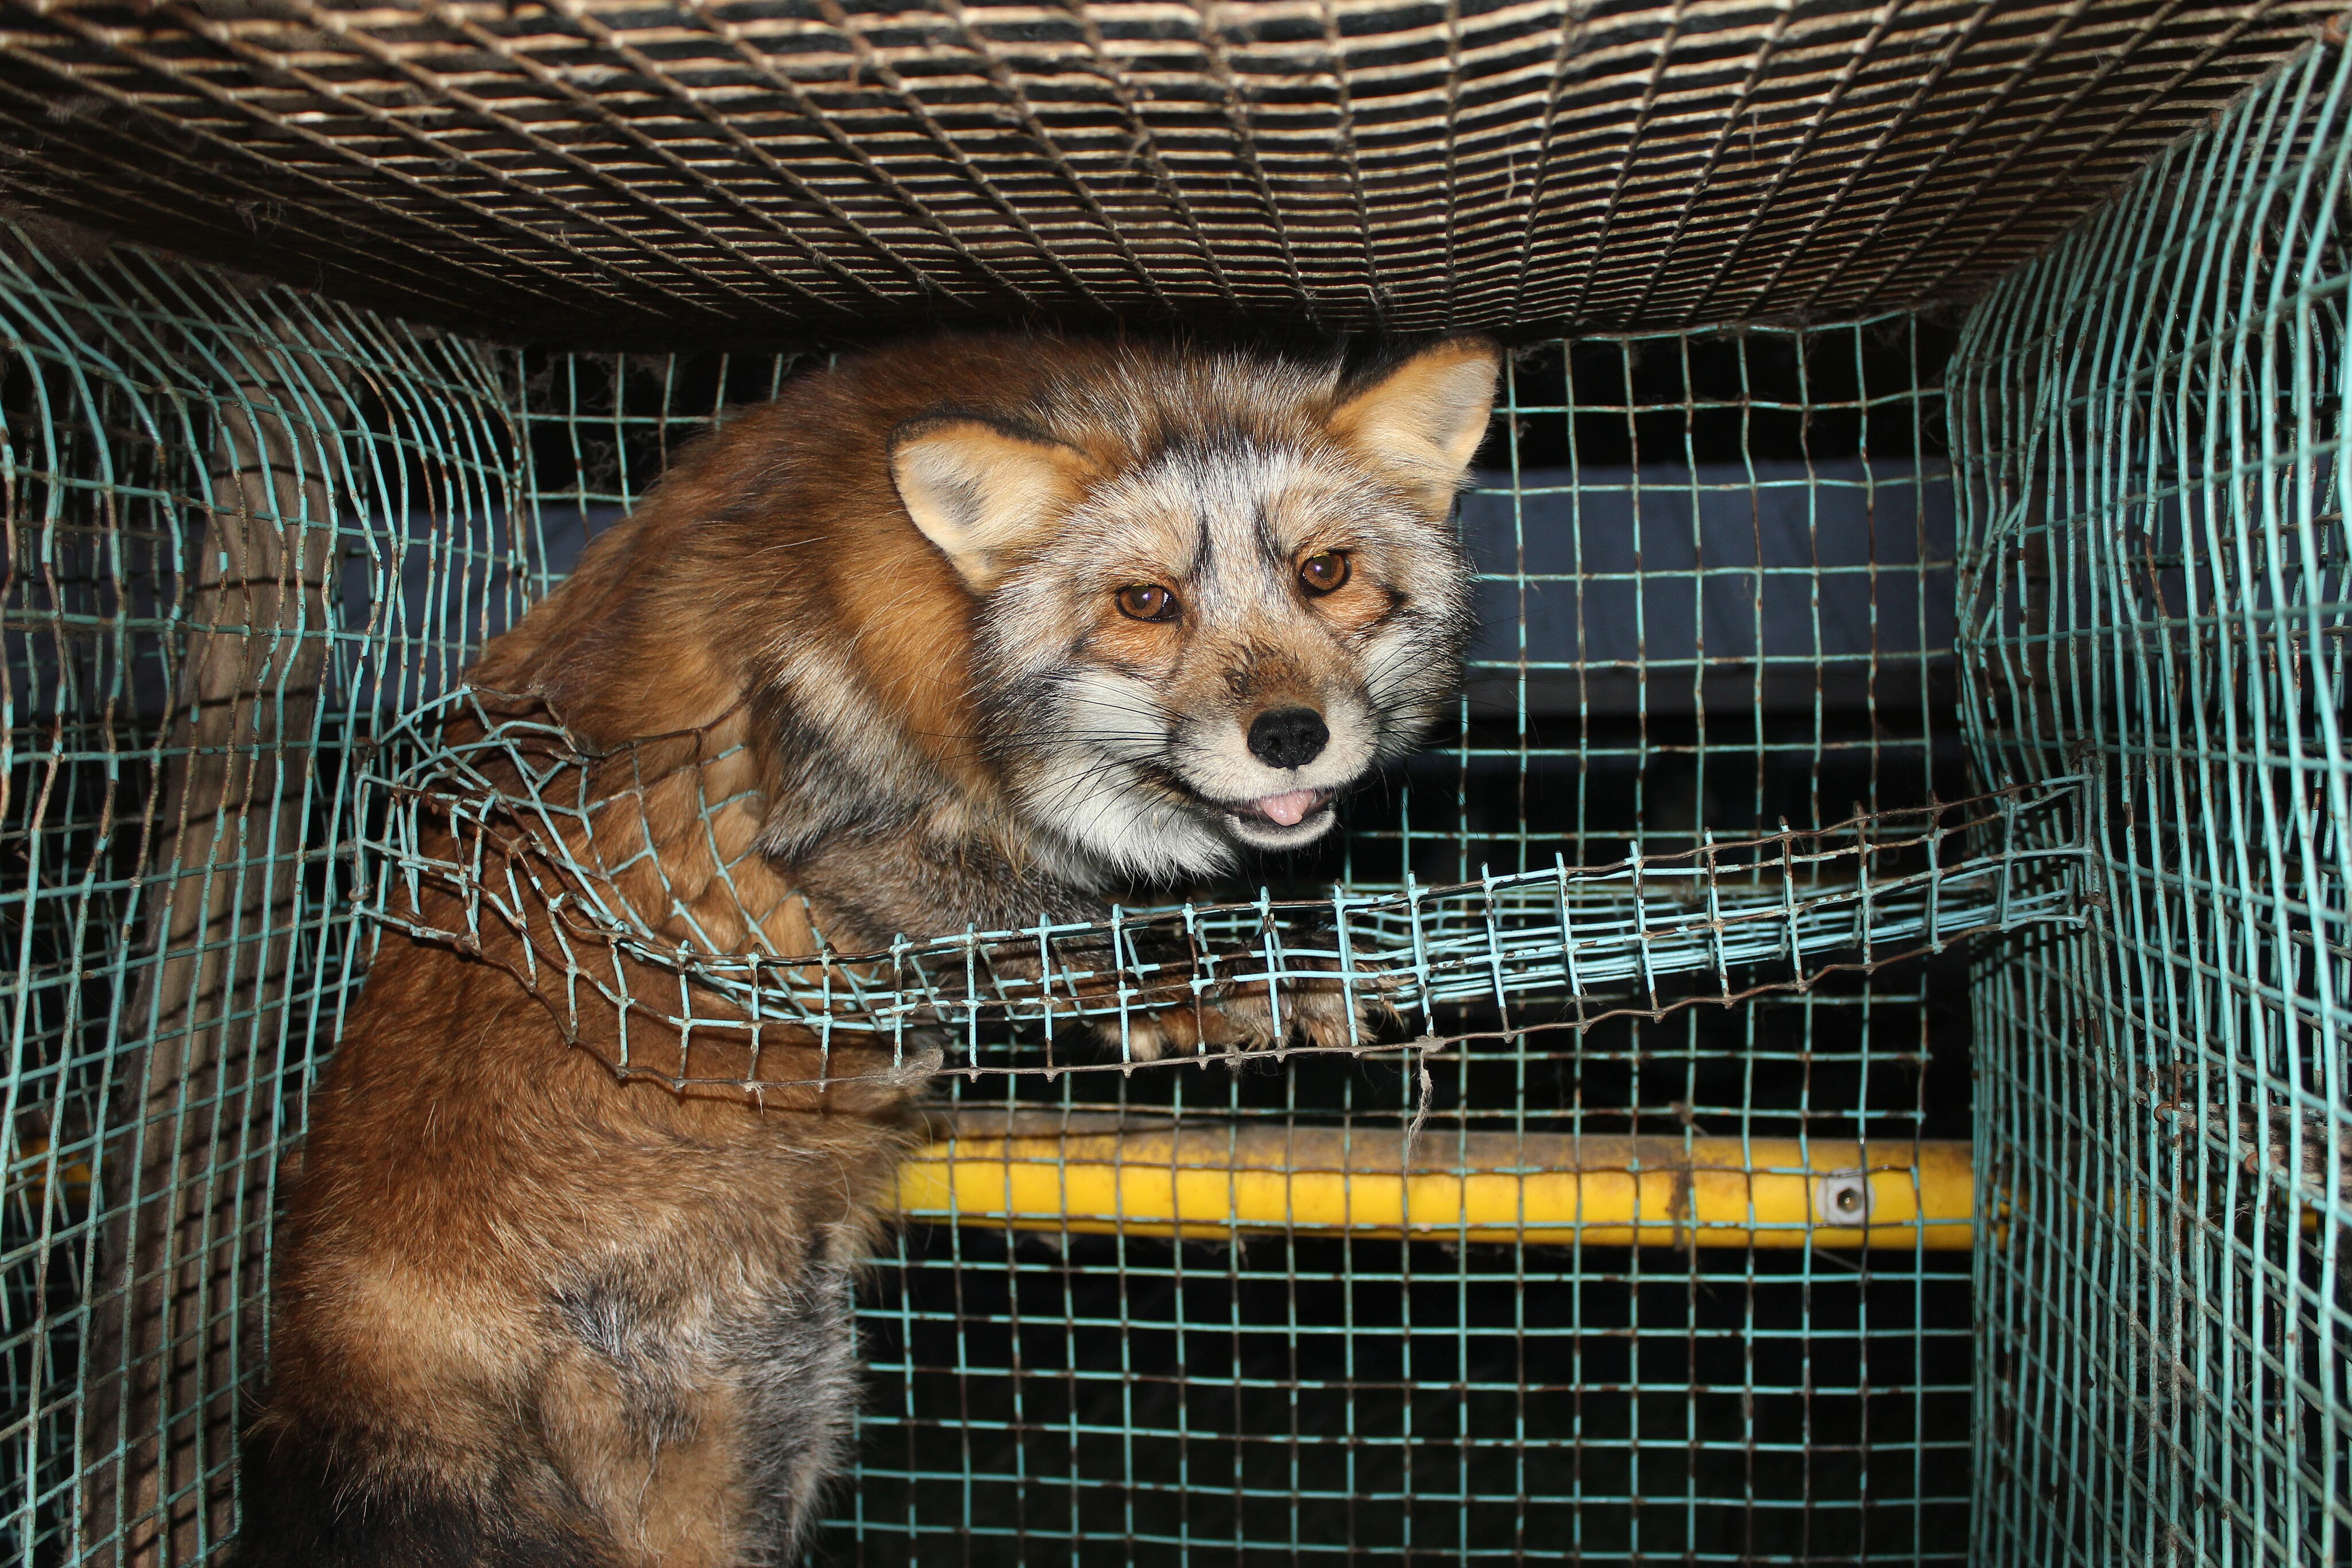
<point>725,171</point>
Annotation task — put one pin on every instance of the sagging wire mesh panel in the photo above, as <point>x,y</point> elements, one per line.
<point>2149,426</point>
<point>655,173</point>
<point>241,526</point>
<point>1184,1312</point>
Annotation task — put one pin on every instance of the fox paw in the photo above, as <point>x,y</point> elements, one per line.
<point>1241,1016</point>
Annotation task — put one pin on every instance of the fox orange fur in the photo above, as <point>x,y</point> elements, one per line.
<point>961,633</point>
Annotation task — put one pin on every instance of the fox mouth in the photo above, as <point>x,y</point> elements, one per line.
<point>1282,813</point>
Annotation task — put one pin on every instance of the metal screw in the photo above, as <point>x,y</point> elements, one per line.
<point>1842,1199</point>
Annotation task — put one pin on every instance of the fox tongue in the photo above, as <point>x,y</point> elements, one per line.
<point>1289,810</point>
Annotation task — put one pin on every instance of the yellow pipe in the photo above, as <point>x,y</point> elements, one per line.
<point>1100,1175</point>
<point>28,1179</point>
<point>1094,1175</point>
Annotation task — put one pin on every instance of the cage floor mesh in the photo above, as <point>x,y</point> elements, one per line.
<point>720,171</point>
<point>480,823</point>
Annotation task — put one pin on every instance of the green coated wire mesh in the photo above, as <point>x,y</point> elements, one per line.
<point>2150,428</point>
<point>1726,742</point>
<point>483,799</point>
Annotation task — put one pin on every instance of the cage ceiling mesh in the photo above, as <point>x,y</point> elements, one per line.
<point>720,171</point>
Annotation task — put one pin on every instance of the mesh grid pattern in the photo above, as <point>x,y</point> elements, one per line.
<point>248,531</point>
<point>475,826</point>
<point>721,171</point>
<point>2150,426</point>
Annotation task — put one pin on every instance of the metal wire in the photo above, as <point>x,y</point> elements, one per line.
<point>254,537</point>
<point>728,170</point>
<point>2157,590</point>
<point>496,824</point>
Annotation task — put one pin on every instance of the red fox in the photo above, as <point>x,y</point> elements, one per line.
<point>993,627</point>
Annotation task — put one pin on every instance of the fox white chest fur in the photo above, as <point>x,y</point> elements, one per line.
<point>997,627</point>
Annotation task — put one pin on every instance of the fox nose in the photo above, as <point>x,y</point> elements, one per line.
<point>1288,738</point>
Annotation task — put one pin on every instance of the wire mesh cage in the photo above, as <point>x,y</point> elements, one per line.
<point>417,494</point>
<point>1844,698</point>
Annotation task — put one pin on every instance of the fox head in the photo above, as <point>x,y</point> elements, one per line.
<point>1210,592</point>
<point>970,622</point>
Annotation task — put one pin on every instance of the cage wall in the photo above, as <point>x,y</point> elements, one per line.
<point>242,526</point>
<point>2149,426</point>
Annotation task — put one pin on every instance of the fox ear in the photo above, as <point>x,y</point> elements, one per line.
<point>976,489</point>
<point>1424,419</point>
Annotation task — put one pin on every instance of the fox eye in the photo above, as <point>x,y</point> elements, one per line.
<point>1322,573</point>
<point>1146,601</point>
